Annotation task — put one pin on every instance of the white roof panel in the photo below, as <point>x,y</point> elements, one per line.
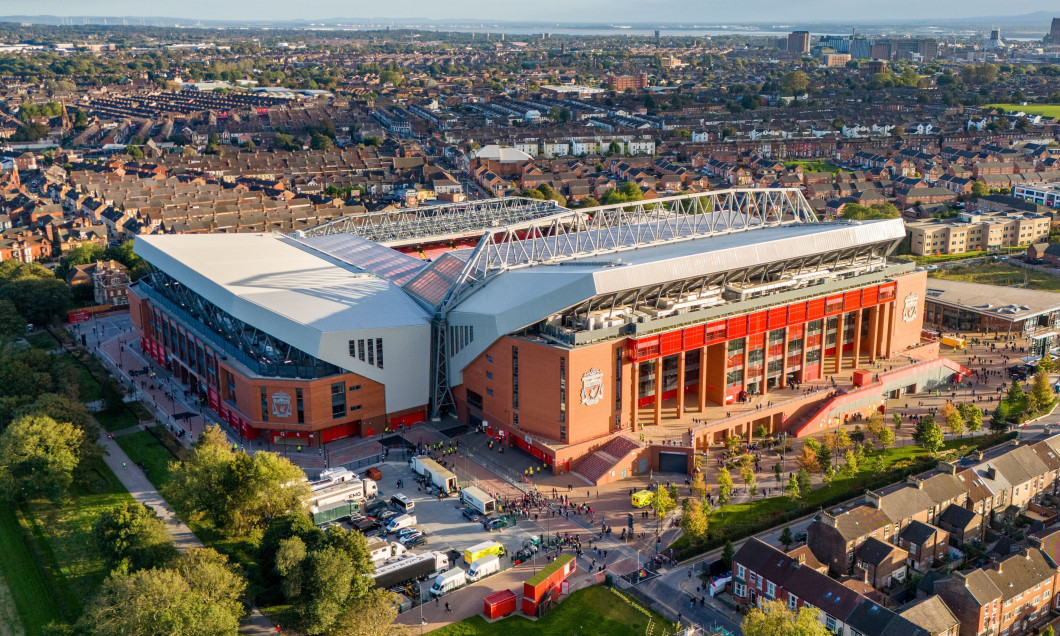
<point>246,273</point>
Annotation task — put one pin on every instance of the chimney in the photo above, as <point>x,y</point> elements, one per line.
<point>801,560</point>
<point>948,468</point>
<point>872,498</point>
<point>991,472</point>
<point>829,520</point>
<point>912,479</point>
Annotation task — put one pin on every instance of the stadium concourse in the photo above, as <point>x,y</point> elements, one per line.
<point>610,341</point>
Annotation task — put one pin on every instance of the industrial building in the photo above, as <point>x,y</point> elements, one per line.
<point>557,331</point>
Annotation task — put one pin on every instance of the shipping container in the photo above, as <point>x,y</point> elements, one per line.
<point>478,499</point>
<point>544,586</point>
<point>499,604</point>
<point>440,477</point>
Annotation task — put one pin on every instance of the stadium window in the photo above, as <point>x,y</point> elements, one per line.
<point>301,407</point>
<point>353,348</point>
<point>360,350</point>
<point>515,376</point>
<point>618,379</point>
<point>371,353</point>
<point>489,392</point>
<point>338,399</point>
<point>356,407</point>
<point>355,387</point>
<point>379,352</point>
<point>264,405</point>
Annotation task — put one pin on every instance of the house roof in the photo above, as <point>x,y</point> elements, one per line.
<point>930,614</point>
<point>958,516</point>
<point>918,533</point>
<point>875,552</point>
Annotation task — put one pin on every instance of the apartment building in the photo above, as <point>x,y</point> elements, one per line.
<point>971,232</point>
<point>1011,597</point>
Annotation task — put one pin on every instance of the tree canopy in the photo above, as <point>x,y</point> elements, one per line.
<point>38,457</point>
<point>858,212</point>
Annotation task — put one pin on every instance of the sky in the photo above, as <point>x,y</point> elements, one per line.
<point>554,11</point>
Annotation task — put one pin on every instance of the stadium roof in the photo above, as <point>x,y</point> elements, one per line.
<point>304,293</point>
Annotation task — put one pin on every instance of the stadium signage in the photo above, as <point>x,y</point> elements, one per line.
<point>281,404</point>
<point>592,386</point>
<point>909,313</point>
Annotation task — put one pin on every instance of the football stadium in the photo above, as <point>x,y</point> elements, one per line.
<point>563,332</point>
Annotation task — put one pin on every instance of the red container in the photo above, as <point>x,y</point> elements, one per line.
<point>547,578</point>
<point>499,604</point>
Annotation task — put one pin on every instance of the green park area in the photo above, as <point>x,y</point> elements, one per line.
<point>1048,110</point>
<point>812,166</point>
<point>1002,275</point>
<point>591,611</point>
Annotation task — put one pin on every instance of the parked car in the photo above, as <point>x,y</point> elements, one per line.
<point>404,532</point>
<point>493,523</point>
<point>386,515</point>
<point>471,514</point>
<point>366,524</point>
<point>413,540</point>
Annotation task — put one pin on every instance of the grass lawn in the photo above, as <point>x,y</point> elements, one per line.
<point>42,340</point>
<point>813,166</point>
<point>1001,274</point>
<point>144,448</point>
<point>46,553</point>
<point>24,575</point>
<point>115,420</point>
<point>589,611</point>
<point>1048,110</point>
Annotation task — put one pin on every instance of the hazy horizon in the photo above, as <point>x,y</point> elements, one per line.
<point>549,11</point>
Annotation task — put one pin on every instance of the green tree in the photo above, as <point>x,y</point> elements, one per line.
<point>201,594</point>
<point>132,537</point>
<point>775,618</point>
<point>747,473</point>
<point>999,418</point>
<point>953,418</point>
<point>980,189</point>
<point>727,553</point>
<point>724,485</point>
<point>134,151</point>
<point>699,485</point>
<point>38,457</point>
<point>694,518</point>
<point>41,300</point>
<point>328,579</point>
<point>805,484</point>
<point>289,559</point>
<point>370,615</point>
<point>12,324</point>
<point>929,434</point>
<point>792,491</point>
<point>852,466</point>
<point>973,417</point>
<point>858,212</point>
<point>318,141</point>
<point>664,502</point>
<point>786,538</point>
<point>1041,391</point>
<point>829,475</point>
<point>795,83</point>
<point>1047,363</point>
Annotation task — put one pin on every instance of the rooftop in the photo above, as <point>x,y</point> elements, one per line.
<point>1008,303</point>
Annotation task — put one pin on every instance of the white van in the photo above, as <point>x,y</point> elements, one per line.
<point>484,567</point>
<point>402,504</point>
<point>448,581</point>
<point>399,522</point>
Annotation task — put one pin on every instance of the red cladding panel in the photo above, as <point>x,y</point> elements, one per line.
<point>737,327</point>
<point>778,317</point>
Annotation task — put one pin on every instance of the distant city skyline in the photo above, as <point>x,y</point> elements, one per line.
<point>546,11</point>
